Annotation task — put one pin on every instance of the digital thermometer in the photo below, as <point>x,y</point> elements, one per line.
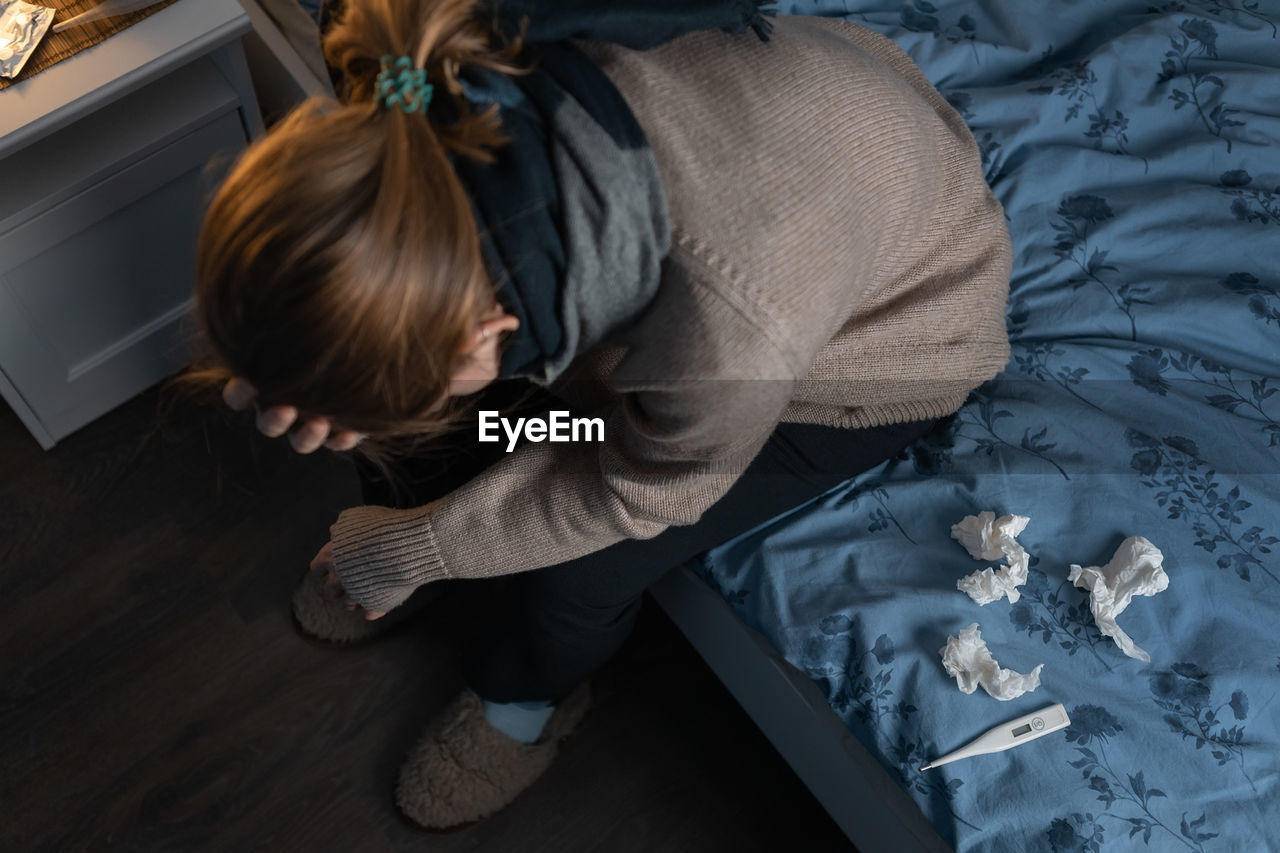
<point>1010,734</point>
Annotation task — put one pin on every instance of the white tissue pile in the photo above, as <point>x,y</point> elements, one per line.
<point>986,537</point>
<point>967,659</point>
<point>1134,570</point>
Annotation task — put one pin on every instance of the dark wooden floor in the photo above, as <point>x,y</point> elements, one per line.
<point>155,696</point>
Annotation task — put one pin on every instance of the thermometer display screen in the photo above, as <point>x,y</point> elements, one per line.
<point>1021,730</point>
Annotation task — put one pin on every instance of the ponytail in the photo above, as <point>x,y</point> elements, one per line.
<point>339,267</point>
<point>440,36</point>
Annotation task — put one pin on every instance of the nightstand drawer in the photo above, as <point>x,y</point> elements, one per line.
<point>94,292</point>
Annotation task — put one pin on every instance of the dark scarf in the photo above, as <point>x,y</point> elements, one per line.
<point>572,216</point>
<point>572,209</point>
<point>637,24</point>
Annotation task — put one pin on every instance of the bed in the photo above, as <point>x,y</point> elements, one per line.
<point>1136,148</point>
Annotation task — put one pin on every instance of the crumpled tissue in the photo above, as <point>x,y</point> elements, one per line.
<point>1134,570</point>
<point>986,537</point>
<point>968,660</point>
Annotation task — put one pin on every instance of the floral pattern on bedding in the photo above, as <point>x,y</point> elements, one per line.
<point>1135,147</point>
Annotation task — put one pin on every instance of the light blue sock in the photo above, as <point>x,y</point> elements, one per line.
<point>522,721</point>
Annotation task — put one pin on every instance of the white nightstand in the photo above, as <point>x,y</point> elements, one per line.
<point>104,168</point>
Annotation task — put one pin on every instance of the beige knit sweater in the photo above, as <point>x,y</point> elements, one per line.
<point>837,259</point>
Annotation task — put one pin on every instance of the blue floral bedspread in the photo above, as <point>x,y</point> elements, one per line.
<point>1136,149</point>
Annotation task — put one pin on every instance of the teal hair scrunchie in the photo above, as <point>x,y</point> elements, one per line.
<point>401,85</point>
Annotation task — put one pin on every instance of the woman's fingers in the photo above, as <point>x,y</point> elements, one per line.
<point>310,435</point>
<point>346,439</point>
<point>333,589</point>
<point>275,421</point>
<point>238,394</point>
<point>323,562</point>
<point>333,585</point>
<point>369,615</point>
<point>333,579</point>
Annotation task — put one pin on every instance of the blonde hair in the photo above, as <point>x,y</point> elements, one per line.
<point>339,266</point>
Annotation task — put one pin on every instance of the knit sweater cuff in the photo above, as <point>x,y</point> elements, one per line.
<point>382,555</point>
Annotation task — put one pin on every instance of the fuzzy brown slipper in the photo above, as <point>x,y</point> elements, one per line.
<point>464,770</point>
<point>329,622</point>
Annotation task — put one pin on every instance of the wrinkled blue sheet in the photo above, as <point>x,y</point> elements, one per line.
<point>1136,149</point>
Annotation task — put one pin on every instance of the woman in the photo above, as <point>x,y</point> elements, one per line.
<point>765,263</point>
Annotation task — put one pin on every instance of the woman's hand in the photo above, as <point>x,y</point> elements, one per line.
<point>323,563</point>
<point>274,422</point>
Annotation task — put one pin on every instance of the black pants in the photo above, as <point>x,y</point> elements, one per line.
<point>555,626</point>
